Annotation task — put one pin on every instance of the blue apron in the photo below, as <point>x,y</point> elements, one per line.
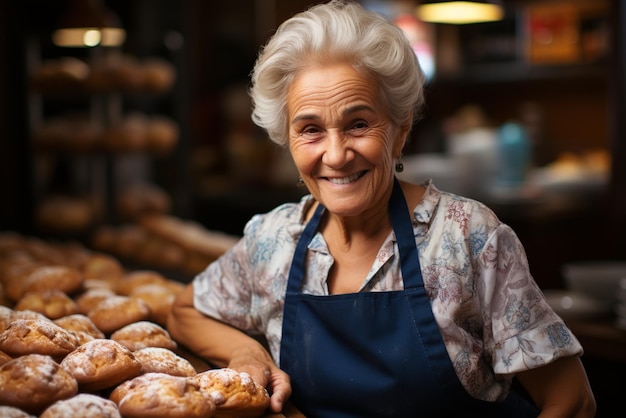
<point>375,354</point>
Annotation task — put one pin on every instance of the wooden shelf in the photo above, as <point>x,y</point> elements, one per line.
<point>511,72</point>
<point>601,339</point>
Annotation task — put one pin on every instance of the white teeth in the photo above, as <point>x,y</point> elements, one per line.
<point>344,180</point>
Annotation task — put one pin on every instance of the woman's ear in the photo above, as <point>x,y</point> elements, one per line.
<point>402,136</point>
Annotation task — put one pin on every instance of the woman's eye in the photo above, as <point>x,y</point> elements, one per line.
<point>359,125</point>
<point>310,131</point>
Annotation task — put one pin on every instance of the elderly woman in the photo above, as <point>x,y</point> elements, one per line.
<point>375,297</point>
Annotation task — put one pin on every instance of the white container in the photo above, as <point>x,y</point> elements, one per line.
<point>597,279</point>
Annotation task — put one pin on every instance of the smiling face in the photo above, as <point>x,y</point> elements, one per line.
<point>341,139</point>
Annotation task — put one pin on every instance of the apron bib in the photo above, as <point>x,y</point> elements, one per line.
<point>375,354</point>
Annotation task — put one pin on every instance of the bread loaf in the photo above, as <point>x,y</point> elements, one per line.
<point>83,405</point>
<point>33,382</point>
<point>81,325</point>
<point>143,334</point>
<point>101,364</point>
<point>37,336</point>
<point>234,393</point>
<point>115,312</point>
<point>160,395</point>
<point>52,303</point>
<point>163,360</point>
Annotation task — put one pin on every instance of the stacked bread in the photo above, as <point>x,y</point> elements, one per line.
<point>106,74</point>
<point>82,336</point>
<point>164,241</point>
<point>64,213</point>
<point>134,132</point>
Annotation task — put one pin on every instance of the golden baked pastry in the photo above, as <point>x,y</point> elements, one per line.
<point>81,325</point>
<point>104,267</point>
<point>129,237</point>
<point>4,358</point>
<point>160,395</point>
<point>234,393</point>
<point>33,382</point>
<point>81,406</point>
<point>115,312</point>
<point>163,360</point>
<point>91,297</point>
<point>161,253</point>
<point>101,364</point>
<point>13,277</point>
<point>129,134</point>
<point>13,412</point>
<point>159,297</point>
<point>61,213</point>
<point>27,314</point>
<point>163,134</point>
<point>52,303</point>
<point>143,334</point>
<point>158,75</point>
<point>136,278</point>
<point>60,75</point>
<point>59,277</point>
<point>5,316</point>
<point>37,336</point>
<point>141,198</point>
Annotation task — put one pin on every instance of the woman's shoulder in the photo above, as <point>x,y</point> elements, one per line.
<point>286,215</point>
<point>453,207</point>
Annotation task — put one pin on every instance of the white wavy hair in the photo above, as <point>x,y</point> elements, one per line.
<point>339,30</point>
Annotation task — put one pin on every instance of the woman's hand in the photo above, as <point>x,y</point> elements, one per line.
<point>225,346</point>
<point>260,366</point>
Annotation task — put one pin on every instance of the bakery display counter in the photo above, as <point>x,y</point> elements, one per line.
<point>79,331</point>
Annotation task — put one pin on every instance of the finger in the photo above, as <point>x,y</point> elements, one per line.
<point>280,388</point>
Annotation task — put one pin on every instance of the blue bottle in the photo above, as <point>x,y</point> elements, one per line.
<point>514,152</point>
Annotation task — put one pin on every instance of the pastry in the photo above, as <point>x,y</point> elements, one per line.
<point>5,317</point>
<point>33,382</point>
<point>4,358</point>
<point>234,393</point>
<point>115,312</point>
<point>37,336</point>
<point>52,303</point>
<point>101,364</point>
<point>104,267</point>
<point>163,360</point>
<point>160,395</point>
<point>81,406</point>
<point>92,297</point>
<point>59,277</point>
<point>81,325</point>
<point>138,278</point>
<point>13,412</point>
<point>142,334</point>
<point>159,297</point>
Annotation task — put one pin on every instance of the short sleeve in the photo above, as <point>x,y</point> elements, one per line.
<point>523,330</point>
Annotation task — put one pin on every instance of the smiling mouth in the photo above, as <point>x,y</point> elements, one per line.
<point>346,180</point>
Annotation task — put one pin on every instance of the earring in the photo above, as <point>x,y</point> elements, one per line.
<point>399,165</point>
<point>300,182</point>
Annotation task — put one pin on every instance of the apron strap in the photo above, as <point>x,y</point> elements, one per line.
<point>296,271</point>
<point>403,228</point>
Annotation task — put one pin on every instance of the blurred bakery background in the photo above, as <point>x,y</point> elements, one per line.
<point>126,128</point>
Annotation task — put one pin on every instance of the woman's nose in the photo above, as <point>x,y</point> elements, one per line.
<point>338,151</point>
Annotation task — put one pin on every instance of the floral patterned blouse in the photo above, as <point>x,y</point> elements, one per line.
<point>491,313</point>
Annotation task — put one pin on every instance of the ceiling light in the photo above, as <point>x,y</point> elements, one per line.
<point>88,23</point>
<point>459,12</point>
